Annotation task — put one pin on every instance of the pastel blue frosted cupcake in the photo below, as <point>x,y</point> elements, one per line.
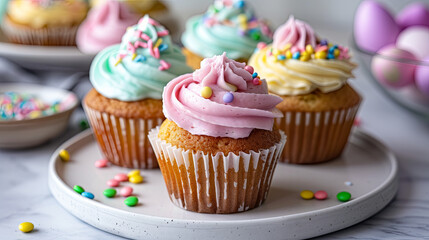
<point>128,81</point>
<point>229,26</point>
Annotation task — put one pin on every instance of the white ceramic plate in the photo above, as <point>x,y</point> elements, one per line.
<point>366,163</point>
<point>45,57</point>
<point>32,132</point>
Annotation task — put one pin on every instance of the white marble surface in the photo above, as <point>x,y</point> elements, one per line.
<point>24,193</point>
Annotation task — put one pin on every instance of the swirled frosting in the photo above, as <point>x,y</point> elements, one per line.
<point>218,114</point>
<point>42,13</point>
<point>140,66</point>
<point>228,26</point>
<point>298,63</point>
<point>104,26</point>
<point>294,32</point>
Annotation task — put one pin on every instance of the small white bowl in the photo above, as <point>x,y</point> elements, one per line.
<point>33,132</point>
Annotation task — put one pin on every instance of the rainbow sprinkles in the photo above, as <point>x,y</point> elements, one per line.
<point>148,36</point>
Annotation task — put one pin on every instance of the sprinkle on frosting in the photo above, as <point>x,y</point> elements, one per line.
<point>203,103</point>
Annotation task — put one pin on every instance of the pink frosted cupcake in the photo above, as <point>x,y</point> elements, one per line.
<point>218,149</point>
<point>105,26</point>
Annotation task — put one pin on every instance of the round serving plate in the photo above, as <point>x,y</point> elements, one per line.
<point>367,169</point>
<point>45,57</point>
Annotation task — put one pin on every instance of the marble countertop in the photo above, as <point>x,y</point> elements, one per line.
<point>24,193</point>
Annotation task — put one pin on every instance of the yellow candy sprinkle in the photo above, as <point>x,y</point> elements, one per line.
<point>206,92</point>
<point>136,179</point>
<point>135,172</point>
<point>287,47</point>
<point>276,52</point>
<point>158,42</point>
<point>242,18</point>
<point>336,52</point>
<point>64,155</point>
<point>243,26</point>
<point>304,57</point>
<point>118,61</point>
<point>330,44</point>
<point>26,227</point>
<point>307,195</point>
<point>289,55</point>
<point>35,114</point>
<point>309,49</point>
<point>231,87</point>
<point>320,55</point>
<point>133,56</point>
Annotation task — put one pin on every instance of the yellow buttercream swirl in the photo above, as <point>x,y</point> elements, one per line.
<point>60,13</point>
<point>295,77</point>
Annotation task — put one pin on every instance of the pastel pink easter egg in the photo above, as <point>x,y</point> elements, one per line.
<point>121,177</point>
<point>113,183</point>
<point>422,77</point>
<point>390,72</point>
<point>415,14</point>
<point>374,26</point>
<point>415,40</point>
<point>101,163</point>
<point>126,191</point>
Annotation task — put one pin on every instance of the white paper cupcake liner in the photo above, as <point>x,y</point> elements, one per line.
<point>124,141</point>
<point>50,36</point>
<point>315,137</point>
<point>217,183</point>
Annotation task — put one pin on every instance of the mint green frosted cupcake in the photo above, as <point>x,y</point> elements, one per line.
<point>128,81</point>
<point>228,26</point>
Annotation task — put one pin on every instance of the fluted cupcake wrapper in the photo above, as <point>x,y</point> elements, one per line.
<point>217,183</point>
<point>124,141</point>
<point>48,36</point>
<point>315,137</point>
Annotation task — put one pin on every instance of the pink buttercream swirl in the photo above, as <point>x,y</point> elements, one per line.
<point>252,107</point>
<point>105,26</point>
<point>294,32</point>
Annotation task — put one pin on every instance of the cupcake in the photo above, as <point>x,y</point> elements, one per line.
<point>105,26</point>
<point>217,149</point>
<point>228,26</point>
<point>311,76</point>
<point>44,22</point>
<point>128,80</point>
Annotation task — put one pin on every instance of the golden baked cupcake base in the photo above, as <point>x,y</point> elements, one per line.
<point>317,124</point>
<point>121,129</point>
<point>216,183</point>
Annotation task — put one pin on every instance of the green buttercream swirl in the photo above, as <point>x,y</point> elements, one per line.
<point>220,30</point>
<point>136,77</point>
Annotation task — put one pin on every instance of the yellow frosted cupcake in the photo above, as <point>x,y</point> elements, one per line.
<point>311,76</point>
<point>44,22</point>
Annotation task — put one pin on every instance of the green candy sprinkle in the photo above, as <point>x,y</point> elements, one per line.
<point>110,192</point>
<point>255,35</point>
<point>84,124</point>
<point>344,196</point>
<point>78,189</point>
<point>131,201</point>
